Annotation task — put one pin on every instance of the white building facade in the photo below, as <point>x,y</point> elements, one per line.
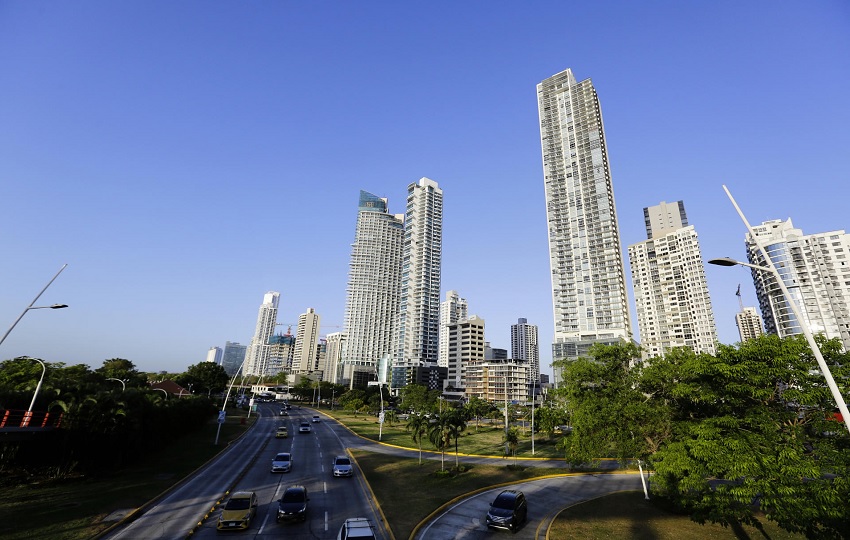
<point>465,348</point>
<point>452,310</point>
<point>749,324</point>
<point>257,354</point>
<point>816,271</point>
<point>589,297</point>
<point>214,355</point>
<point>418,330</point>
<point>306,341</point>
<point>374,287</point>
<point>671,291</point>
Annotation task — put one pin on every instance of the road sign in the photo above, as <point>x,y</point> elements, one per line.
<point>221,417</point>
<point>381,417</point>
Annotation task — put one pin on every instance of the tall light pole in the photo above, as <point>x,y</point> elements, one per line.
<point>28,415</point>
<point>804,326</point>
<point>29,307</point>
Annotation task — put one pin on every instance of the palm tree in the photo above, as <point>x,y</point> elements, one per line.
<point>438,435</point>
<point>512,440</point>
<point>418,424</point>
<point>455,425</point>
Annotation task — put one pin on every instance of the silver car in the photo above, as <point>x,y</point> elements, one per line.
<point>342,466</point>
<point>282,462</point>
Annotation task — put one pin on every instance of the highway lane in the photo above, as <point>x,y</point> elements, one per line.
<point>246,466</point>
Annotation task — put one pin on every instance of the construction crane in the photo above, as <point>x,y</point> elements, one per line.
<point>740,301</point>
<point>290,325</point>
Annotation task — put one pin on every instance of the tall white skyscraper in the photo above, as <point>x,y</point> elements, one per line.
<point>466,347</point>
<point>257,355</point>
<point>419,310</point>
<point>671,292</point>
<point>306,340</point>
<point>589,298</point>
<point>453,309</point>
<point>374,287</point>
<point>815,271</point>
<point>333,358</point>
<point>525,347</point>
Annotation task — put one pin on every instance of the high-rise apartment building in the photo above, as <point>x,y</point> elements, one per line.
<point>671,292</point>
<point>589,297</point>
<point>419,309</point>
<point>234,355</point>
<point>525,348</point>
<point>336,342</point>
<point>453,309</point>
<point>374,287</point>
<point>257,355</point>
<point>281,353</point>
<point>306,340</point>
<point>813,268</point>
<point>466,347</point>
<point>749,324</point>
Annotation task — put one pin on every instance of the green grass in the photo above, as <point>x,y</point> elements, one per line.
<point>74,509</point>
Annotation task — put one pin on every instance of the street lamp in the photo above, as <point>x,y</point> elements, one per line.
<point>123,384</point>
<point>29,307</point>
<point>804,326</point>
<point>28,416</point>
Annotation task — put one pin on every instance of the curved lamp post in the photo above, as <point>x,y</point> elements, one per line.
<point>163,391</point>
<point>124,385</point>
<point>38,386</point>
<point>804,326</point>
<point>29,307</point>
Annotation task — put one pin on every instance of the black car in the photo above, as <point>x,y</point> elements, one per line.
<point>293,505</point>
<point>508,511</point>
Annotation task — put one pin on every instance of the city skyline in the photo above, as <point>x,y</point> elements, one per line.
<point>182,177</point>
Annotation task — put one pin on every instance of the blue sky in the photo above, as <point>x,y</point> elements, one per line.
<point>186,157</point>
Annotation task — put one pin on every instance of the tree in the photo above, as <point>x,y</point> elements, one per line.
<point>439,435</point>
<point>511,439</point>
<point>417,424</point>
<point>476,408</point>
<point>755,423</point>
<point>610,415</point>
<point>205,377</point>
<point>455,425</point>
<point>125,370</point>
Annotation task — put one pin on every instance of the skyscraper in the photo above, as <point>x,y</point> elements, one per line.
<point>671,292</point>
<point>525,347</point>
<point>374,287</point>
<point>419,310</point>
<point>453,309</point>
<point>466,347</point>
<point>589,298</point>
<point>214,355</point>
<point>748,323</point>
<point>234,355</point>
<point>815,272</point>
<point>306,340</point>
<point>257,355</point>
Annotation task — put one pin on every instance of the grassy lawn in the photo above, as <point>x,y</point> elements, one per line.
<point>74,509</point>
<point>485,439</point>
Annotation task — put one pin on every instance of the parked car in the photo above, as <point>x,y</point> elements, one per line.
<point>316,418</point>
<point>356,529</point>
<point>293,504</point>
<point>282,462</point>
<point>238,512</point>
<point>508,511</point>
<point>342,466</point>
<point>305,428</point>
<point>281,433</point>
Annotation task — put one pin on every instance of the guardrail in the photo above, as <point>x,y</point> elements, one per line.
<point>30,419</point>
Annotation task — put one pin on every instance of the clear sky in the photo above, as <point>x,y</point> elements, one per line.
<point>184,158</point>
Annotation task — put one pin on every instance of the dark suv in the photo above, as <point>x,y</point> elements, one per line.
<point>508,511</point>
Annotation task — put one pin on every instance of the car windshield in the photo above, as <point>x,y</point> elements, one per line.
<point>343,461</point>
<point>305,424</point>
<point>238,504</point>
<point>282,457</point>
<point>293,496</point>
<point>505,501</point>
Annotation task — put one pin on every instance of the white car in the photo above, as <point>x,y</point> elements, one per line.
<point>356,529</point>
<point>316,418</point>
<point>342,466</point>
<point>305,428</point>
<point>282,462</point>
